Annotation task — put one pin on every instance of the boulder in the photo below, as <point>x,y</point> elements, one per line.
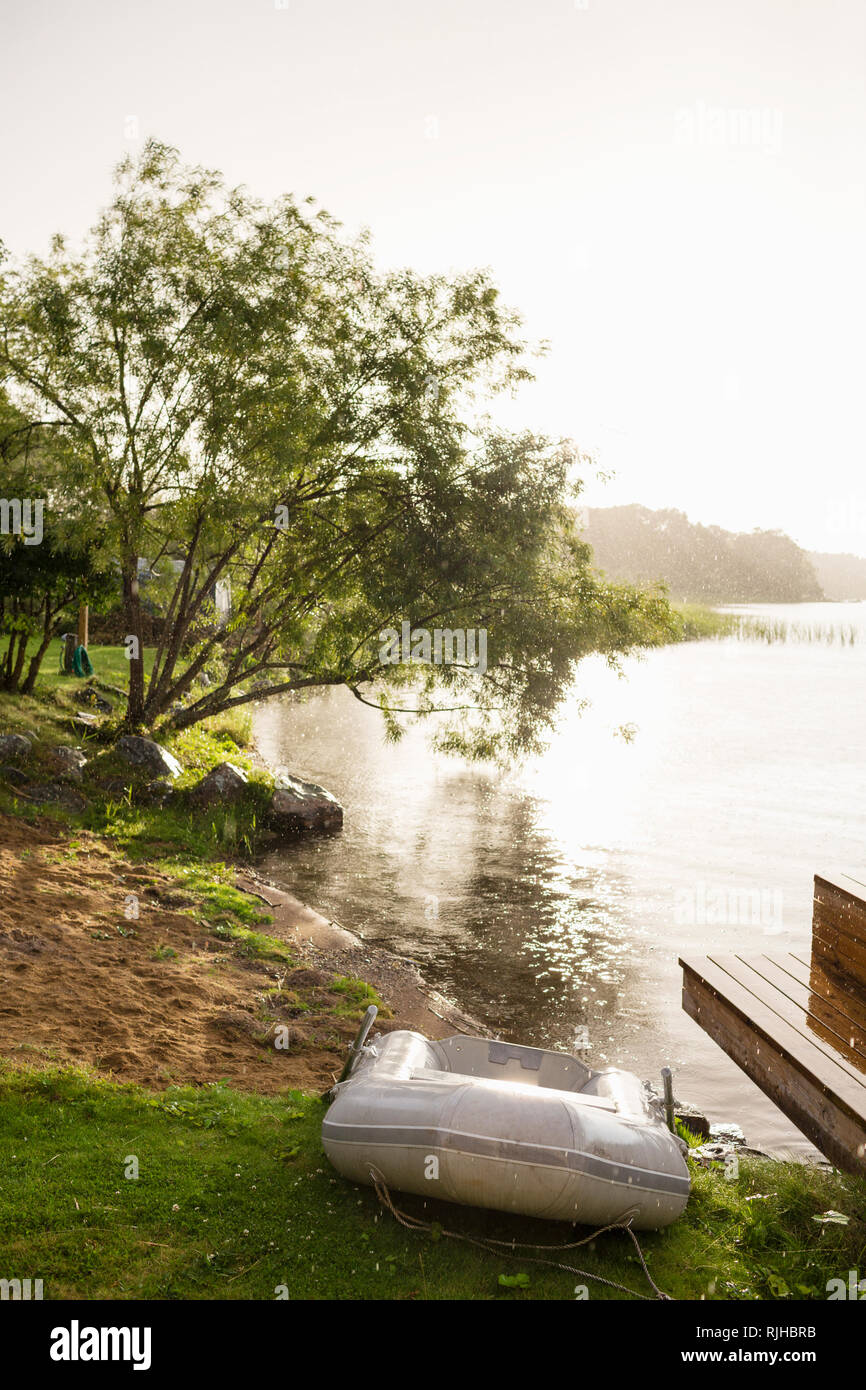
<point>150,756</point>
<point>14,747</point>
<point>224,783</point>
<point>69,760</point>
<point>302,808</point>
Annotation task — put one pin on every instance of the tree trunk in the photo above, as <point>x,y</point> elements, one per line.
<point>132,619</point>
<point>15,674</point>
<point>36,659</point>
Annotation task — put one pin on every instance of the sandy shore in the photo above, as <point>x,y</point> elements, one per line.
<point>164,998</point>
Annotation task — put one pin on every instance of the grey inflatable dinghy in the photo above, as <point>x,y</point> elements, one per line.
<point>493,1124</point>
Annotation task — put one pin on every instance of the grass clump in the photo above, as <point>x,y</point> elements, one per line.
<point>254,945</point>
<point>357,996</point>
<point>698,622</point>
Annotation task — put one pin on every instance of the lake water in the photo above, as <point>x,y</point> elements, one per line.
<point>554,901</point>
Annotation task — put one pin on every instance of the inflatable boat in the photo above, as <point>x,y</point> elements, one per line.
<point>494,1124</point>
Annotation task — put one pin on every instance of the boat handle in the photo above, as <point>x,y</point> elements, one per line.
<point>668,1084</point>
<point>357,1046</point>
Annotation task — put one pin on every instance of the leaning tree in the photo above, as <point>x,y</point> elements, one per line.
<point>248,402</point>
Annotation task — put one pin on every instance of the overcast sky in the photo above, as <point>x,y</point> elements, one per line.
<point>672,191</point>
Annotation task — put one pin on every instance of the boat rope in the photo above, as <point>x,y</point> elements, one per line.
<point>510,1247</point>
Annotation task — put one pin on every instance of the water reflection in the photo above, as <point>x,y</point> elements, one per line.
<point>549,901</point>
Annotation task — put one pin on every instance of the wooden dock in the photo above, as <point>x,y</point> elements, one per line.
<point>796,1023</point>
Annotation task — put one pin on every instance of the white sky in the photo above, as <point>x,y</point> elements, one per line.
<point>700,276</point>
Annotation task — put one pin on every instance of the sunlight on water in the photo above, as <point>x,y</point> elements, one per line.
<point>558,898</point>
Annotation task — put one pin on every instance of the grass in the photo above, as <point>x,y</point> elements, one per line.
<point>57,697</point>
<point>699,623</point>
<point>139,829</point>
<point>357,996</point>
<point>773,630</point>
<point>234,1199</point>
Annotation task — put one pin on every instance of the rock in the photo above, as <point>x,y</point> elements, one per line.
<point>85,721</point>
<point>299,808</point>
<point>144,753</point>
<point>694,1121</point>
<point>727,1133</point>
<point>154,793</point>
<point>13,775</point>
<point>14,747</point>
<point>91,696</point>
<point>71,760</point>
<point>225,782</point>
<point>57,794</point>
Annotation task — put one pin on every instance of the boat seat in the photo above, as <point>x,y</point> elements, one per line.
<point>454,1078</point>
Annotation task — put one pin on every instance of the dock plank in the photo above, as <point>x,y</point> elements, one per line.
<point>821,1014</point>
<point>753,975</point>
<point>768,1035</point>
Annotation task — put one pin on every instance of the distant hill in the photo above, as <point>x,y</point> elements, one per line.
<point>842,577</point>
<point>699,564</point>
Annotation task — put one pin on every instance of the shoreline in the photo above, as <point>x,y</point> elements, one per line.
<point>330,945</point>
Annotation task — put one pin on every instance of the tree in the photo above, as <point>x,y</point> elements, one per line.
<point>42,576</point>
<point>40,588</point>
<point>246,399</point>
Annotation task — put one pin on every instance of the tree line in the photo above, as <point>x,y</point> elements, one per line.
<point>698,564</point>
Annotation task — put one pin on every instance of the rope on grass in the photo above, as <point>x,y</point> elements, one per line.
<point>509,1247</point>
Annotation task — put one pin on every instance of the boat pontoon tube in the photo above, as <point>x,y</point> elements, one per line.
<point>520,1129</point>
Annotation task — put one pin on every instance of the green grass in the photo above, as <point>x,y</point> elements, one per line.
<point>357,997</point>
<point>57,697</point>
<point>218,902</point>
<point>136,828</point>
<point>235,1200</point>
<point>255,945</point>
<point>110,668</point>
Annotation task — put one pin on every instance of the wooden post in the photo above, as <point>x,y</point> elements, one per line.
<point>83,624</point>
